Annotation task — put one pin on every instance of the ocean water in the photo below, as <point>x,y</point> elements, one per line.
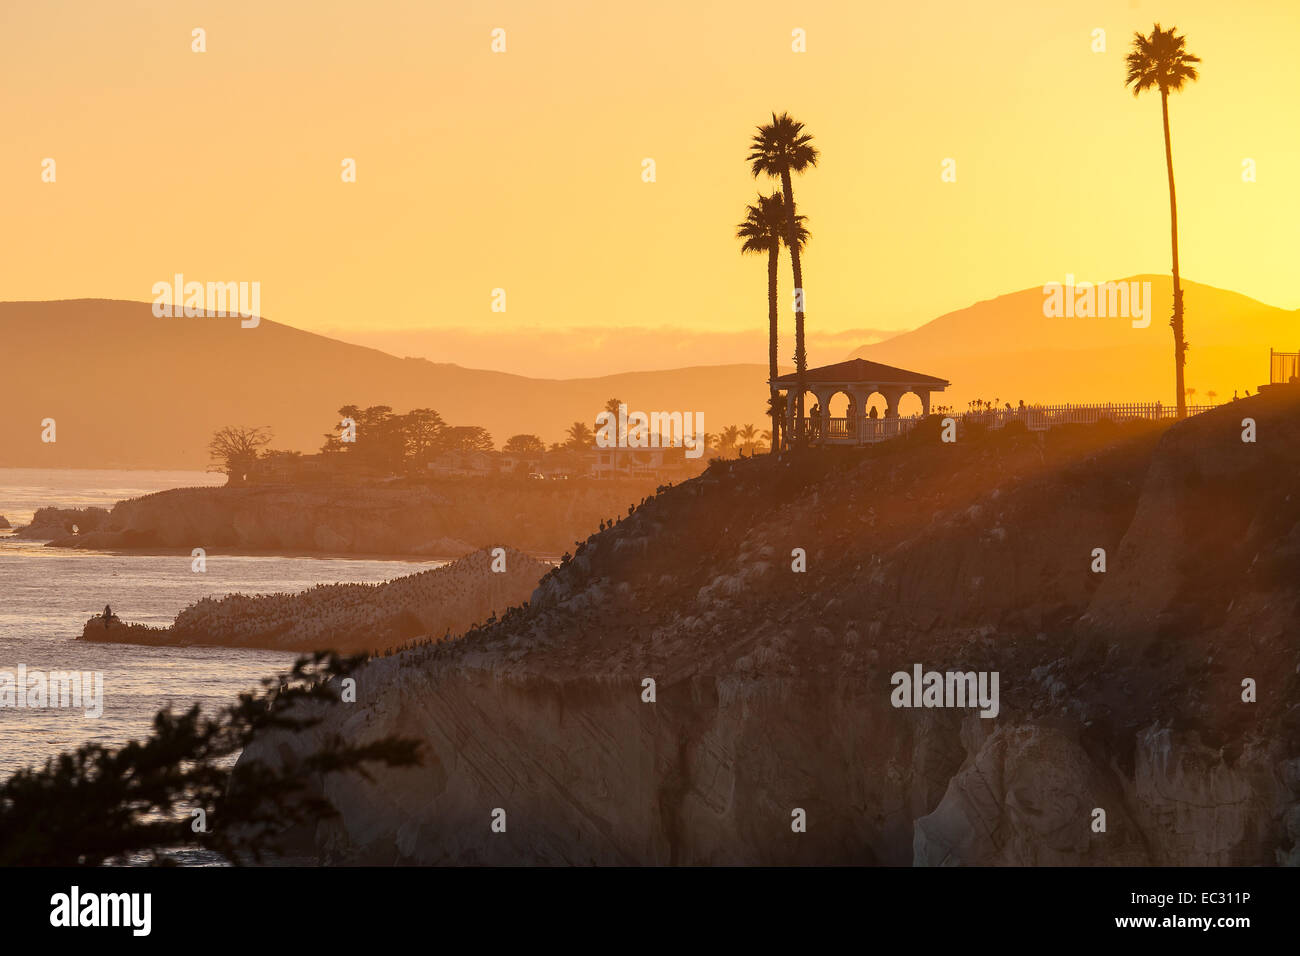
<point>47,594</point>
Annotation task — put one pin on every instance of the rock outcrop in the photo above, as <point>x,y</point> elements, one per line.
<point>1163,691</point>
<point>64,523</point>
<point>117,631</point>
<point>349,618</point>
<point>440,519</point>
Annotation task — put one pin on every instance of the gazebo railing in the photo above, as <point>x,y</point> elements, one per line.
<point>1036,418</point>
<point>838,428</point>
<point>1283,367</point>
<point>1042,417</point>
<point>867,430</point>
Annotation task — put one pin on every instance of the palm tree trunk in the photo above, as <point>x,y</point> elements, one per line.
<point>1180,347</point>
<point>773,313</point>
<point>800,355</point>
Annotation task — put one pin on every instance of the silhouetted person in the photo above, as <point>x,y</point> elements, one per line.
<point>108,615</point>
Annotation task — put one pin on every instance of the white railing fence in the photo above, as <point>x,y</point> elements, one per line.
<point>1035,418</point>
<point>1042,417</point>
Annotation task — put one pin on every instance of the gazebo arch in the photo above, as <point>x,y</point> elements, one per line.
<point>859,380</point>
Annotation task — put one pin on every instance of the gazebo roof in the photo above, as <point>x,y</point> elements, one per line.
<point>861,372</point>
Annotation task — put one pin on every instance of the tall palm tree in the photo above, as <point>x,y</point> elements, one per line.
<point>611,406</point>
<point>1160,61</point>
<point>747,434</point>
<point>580,436</point>
<point>779,149</point>
<point>776,409</point>
<point>764,231</point>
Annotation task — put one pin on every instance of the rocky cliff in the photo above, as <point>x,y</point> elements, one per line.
<point>443,519</point>
<point>1161,691</point>
<point>349,618</point>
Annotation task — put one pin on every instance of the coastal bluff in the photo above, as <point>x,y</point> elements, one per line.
<point>440,519</point>
<point>773,690</point>
<point>348,618</point>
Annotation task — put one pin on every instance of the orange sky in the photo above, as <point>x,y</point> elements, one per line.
<point>522,170</point>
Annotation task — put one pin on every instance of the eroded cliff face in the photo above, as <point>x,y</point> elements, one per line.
<point>443,519</point>
<point>1119,691</point>
<point>1023,789</point>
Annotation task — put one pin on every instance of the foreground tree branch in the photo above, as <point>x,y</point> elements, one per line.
<point>98,804</point>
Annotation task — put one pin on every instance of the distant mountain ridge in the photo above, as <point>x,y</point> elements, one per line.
<point>130,390</point>
<point>1006,348</point>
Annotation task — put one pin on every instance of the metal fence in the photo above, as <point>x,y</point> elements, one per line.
<point>1283,367</point>
<point>1042,417</point>
<point>1035,417</point>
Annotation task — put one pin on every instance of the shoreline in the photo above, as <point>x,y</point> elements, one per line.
<point>437,521</point>
<point>393,557</point>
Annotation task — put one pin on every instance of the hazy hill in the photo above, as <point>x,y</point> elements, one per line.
<point>1006,348</point>
<point>130,390</point>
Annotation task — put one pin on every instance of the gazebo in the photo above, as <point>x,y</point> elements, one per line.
<point>858,379</point>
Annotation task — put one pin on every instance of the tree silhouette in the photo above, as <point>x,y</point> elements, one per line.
<point>1159,61</point>
<point>464,438</point>
<point>580,436</point>
<point>96,805</point>
<point>422,431</point>
<point>524,445</point>
<point>779,149</point>
<point>764,230</point>
<point>611,406</point>
<point>235,448</point>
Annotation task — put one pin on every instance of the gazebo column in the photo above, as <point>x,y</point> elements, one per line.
<point>892,397</point>
<point>925,400</point>
<point>857,411</point>
<point>824,396</point>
